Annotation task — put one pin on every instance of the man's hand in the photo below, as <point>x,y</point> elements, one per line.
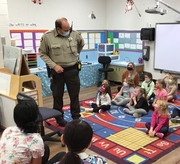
<point>58,69</point>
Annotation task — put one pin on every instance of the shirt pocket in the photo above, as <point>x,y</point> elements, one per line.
<point>56,49</point>
<point>72,48</point>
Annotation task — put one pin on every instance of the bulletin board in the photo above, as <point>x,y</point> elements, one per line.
<point>30,39</point>
<point>93,38</point>
<point>27,39</point>
<point>126,40</point>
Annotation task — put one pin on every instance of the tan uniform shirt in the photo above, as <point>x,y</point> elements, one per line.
<point>63,51</point>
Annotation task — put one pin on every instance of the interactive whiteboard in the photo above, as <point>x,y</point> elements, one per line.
<point>167,47</point>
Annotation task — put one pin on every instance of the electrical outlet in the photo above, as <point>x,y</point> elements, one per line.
<point>86,56</point>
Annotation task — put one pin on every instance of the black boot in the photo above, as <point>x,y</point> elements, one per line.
<point>61,121</point>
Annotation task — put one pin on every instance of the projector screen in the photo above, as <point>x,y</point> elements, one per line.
<point>167,47</point>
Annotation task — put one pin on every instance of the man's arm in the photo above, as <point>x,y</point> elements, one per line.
<point>80,41</point>
<point>44,50</point>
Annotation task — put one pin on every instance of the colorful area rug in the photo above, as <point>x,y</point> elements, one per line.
<point>122,138</point>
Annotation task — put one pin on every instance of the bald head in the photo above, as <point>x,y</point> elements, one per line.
<point>62,23</point>
<point>62,27</point>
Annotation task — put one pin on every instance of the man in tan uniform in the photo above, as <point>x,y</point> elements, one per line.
<point>60,50</point>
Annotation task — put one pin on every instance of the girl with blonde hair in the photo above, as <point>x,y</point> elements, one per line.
<point>159,125</point>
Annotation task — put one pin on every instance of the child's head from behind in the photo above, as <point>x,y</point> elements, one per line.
<point>160,83</point>
<point>148,77</point>
<point>128,82</point>
<point>161,106</point>
<point>25,116</point>
<point>77,137</point>
<point>172,80</point>
<point>105,82</point>
<point>139,92</point>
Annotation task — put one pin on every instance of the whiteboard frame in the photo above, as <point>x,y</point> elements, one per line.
<point>170,62</point>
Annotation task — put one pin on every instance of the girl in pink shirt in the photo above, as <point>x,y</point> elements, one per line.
<point>159,125</point>
<point>161,93</point>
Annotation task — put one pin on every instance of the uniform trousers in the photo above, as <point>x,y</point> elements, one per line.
<point>72,81</point>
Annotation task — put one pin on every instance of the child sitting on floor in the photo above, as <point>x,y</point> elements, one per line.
<point>103,82</point>
<point>161,93</point>
<point>175,116</point>
<point>172,88</point>
<point>148,85</point>
<point>78,137</point>
<point>103,100</point>
<point>124,95</point>
<point>159,125</point>
<point>138,105</point>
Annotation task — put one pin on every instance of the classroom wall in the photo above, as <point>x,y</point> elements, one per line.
<point>1,54</point>
<point>117,19</point>
<point>26,15</point>
<point>110,16</point>
<point>4,27</point>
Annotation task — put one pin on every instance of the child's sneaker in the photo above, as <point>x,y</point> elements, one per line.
<point>126,110</point>
<point>175,119</point>
<point>136,115</point>
<point>88,109</point>
<point>160,135</point>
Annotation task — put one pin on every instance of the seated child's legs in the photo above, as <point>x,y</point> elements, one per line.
<point>123,101</point>
<point>152,97</point>
<point>129,110</point>
<point>105,107</point>
<point>140,112</point>
<point>175,112</point>
<point>148,125</point>
<point>164,130</point>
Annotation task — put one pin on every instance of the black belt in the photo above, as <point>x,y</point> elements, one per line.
<point>70,68</point>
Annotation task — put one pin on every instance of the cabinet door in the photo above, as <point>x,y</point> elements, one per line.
<point>115,75</point>
<point>139,68</point>
<point>121,71</point>
<point>112,76</point>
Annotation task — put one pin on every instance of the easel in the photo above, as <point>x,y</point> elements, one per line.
<point>25,71</point>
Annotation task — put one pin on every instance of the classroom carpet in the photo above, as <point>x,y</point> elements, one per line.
<point>121,137</point>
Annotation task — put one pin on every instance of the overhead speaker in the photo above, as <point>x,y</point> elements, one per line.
<point>148,34</point>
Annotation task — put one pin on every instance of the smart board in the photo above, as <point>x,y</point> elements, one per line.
<point>167,47</point>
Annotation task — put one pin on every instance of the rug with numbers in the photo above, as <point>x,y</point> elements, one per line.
<point>122,138</point>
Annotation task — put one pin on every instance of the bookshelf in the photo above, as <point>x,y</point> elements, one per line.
<point>31,59</point>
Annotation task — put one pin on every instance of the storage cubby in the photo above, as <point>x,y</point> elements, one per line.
<point>31,59</point>
<point>106,49</point>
